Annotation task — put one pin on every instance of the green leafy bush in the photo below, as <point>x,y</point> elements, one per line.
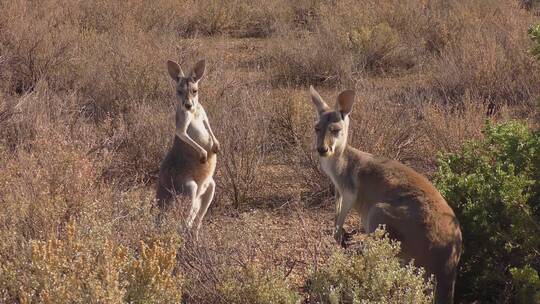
<point>493,185</point>
<point>529,284</point>
<point>534,34</point>
<point>375,275</point>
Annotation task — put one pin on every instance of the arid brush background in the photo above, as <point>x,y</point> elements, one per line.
<point>87,114</point>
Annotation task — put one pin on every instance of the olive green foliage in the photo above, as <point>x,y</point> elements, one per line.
<point>373,275</point>
<point>493,185</point>
<point>255,285</point>
<point>534,34</point>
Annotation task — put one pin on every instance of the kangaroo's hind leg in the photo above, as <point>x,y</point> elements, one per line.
<point>190,189</point>
<point>206,199</point>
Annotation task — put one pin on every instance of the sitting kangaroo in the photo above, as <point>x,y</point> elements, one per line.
<point>190,164</point>
<point>386,192</point>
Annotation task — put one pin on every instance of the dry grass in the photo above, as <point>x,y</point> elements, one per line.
<point>86,115</point>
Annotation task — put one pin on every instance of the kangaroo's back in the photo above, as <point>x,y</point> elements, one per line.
<point>414,212</point>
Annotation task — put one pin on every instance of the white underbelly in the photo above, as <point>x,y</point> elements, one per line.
<point>200,135</point>
<point>327,167</point>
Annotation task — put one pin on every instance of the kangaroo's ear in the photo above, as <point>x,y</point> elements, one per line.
<point>318,101</point>
<point>174,70</point>
<point>198,70</point>
<point>345,101</point>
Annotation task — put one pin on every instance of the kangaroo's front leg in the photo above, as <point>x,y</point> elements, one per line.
<point>215,142</point>
<point>343,206</point>
<point>338,230</point>
<point>183,119</point>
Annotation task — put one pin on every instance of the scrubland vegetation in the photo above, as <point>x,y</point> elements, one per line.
<point>86,116</point>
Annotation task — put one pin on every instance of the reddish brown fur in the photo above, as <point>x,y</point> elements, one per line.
<point>386,192</point>
<point>180,165</point>
<point>392,194</point>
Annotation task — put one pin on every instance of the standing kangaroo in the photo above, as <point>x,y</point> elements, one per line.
<point>386,192</point>
<point>190,164</point>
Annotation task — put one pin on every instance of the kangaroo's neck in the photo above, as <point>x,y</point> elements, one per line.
<point>342,167</point>
<point>345,155</point>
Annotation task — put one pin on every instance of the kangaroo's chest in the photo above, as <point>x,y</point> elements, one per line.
<point>329,168</point>
<point>340,179</point>
<point>198,132</point>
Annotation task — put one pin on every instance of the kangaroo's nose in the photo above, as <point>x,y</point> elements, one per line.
<point>188,106</point>
<point>322,150</point>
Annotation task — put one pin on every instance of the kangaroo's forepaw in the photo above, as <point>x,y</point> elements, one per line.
<point>203,157</point>
<point>344,238</point>
<point>338,235</point>
<point>351,233</point>
<point>216,147</point>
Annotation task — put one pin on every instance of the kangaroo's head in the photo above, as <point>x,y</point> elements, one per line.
<point>332,128</point>
<point>187,87</point>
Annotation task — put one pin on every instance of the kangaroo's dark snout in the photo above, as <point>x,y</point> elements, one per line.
<point>322,150</point>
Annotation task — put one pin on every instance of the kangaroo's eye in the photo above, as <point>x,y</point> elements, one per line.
<point>336,131</point>
<point>194,91</point>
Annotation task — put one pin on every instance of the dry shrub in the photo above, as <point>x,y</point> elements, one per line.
<point>477,48</point>
<point>53,160</point>
<point>290,138</point>
<point>66,270</point>
<point>447,128</point>
<point>46,187</point>
<point>413,131</point>
<point>38,41</point>
<point>105,50</point>
<point>234,17</point>
<point>40,113</point>
<point>377,46</point>
<point>380,36</point>
<point>242,123</point>
<point>300,58</point>
<point>138,142</point>
<point>224,278</point>
<point>486,55</point>
<point>187,18</point>
<point>387,129</point>
<point>49,181</point>
<point>124,68</point>
<point>153,276</point>
<point>350,37</point>
<point>531,5</point>
<point>6,113</point>
<point>252,259</point>
<point>292,116</point>
<point>73,269</point>
<point>256,285</point>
